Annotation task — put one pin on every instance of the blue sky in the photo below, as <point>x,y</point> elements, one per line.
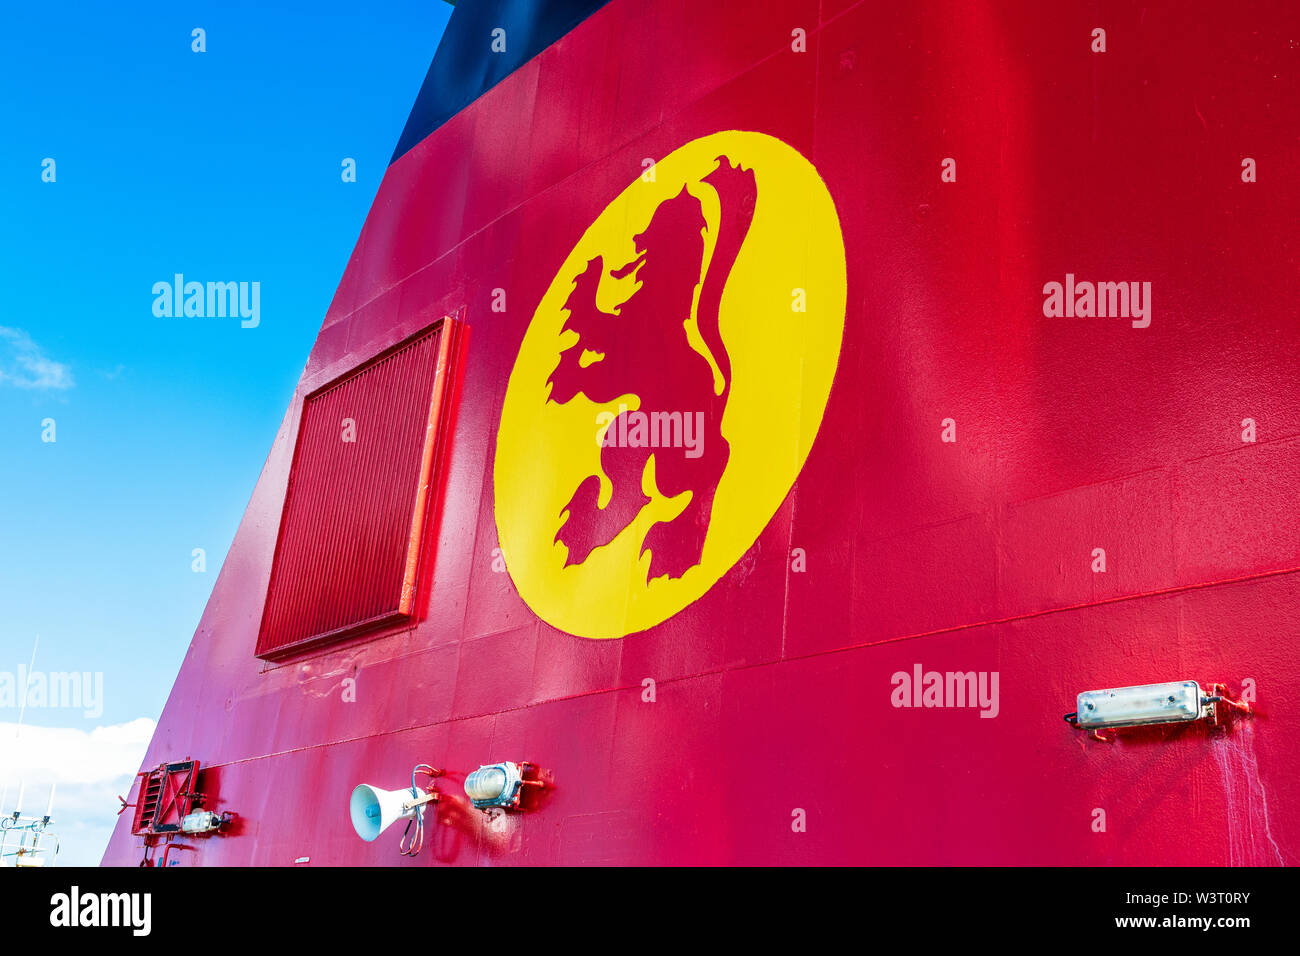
<point>222,165</point>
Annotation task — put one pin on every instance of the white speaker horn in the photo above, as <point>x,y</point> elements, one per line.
<point>375,810</point>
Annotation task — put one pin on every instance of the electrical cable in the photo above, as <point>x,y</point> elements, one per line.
<point>416,841</point>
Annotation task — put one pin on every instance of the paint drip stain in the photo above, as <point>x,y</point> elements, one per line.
<point>1250,841</point>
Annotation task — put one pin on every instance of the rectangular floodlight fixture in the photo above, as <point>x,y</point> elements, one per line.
<point>1175,702</point>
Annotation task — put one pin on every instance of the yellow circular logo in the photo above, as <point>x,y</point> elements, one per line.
<point>670,385</point>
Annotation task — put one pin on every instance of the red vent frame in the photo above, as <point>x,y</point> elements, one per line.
<point>353,523</point>
<point>166,794</point>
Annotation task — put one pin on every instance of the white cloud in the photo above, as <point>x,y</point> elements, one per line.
<point>24,364</point>
<point>90,769</point>
<point>70,755</point>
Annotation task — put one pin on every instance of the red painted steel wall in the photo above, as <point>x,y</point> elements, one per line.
<point>773,690</point>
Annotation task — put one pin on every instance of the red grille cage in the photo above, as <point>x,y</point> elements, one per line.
<point>167,792</point>
<point>354,514</point>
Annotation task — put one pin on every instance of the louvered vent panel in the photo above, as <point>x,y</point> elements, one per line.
<point>353,516</point>
<point>150,791</point>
